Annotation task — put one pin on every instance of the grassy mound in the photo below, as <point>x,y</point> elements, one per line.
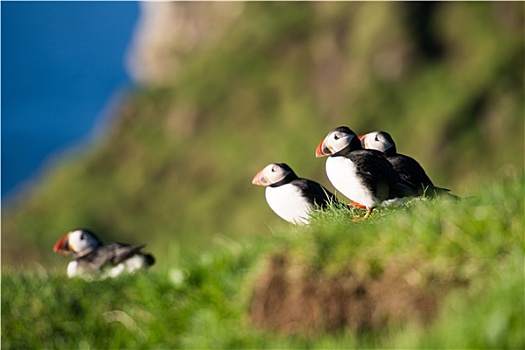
<point>429,273</point>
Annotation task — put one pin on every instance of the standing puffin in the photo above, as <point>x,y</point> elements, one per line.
<point>407,167</point>
<point>289,196</point>
<point>91,257</point>
<point>364,176</point>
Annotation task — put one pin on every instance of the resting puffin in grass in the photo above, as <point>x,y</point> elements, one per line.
<point>364,176</point>
<point>289,196</point>
<point>407,167</point>
<point>92,258</point>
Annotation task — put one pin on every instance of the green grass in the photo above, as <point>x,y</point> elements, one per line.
<point>474,247</point>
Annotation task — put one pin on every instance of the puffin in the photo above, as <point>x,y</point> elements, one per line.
<point>92,258</point>
<point>292,198</point>
<point>365,176</point>
<point>407,167</point>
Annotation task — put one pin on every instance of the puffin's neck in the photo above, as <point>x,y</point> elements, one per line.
<point>354,145</point>
<point>85,252</point>
<point>287,179</point>
<point>391,151</point>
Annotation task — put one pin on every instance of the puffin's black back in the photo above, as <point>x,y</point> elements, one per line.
<point>113,254</point>
<point>314,192</point>
<point>410,170</point>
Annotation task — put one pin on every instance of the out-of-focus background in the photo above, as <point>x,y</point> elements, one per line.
<point>147,121</point>
<point>62,64</point>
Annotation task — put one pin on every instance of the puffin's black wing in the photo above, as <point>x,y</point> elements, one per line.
<point>113,254</point>
<point>123,251</point>
<point>379,176</point>
<point>410,170</point>
<point>314,192</point>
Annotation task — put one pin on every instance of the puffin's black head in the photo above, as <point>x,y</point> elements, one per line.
<point>345,129</point>
<point>340,139</point>
<point>380,141</point>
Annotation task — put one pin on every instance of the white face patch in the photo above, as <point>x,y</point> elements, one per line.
<point>337,140</point>
<point>274,173</point>
<point>342,173</point>
<point>81,240</point>
<point>288,202</point>
<point>376,140</point>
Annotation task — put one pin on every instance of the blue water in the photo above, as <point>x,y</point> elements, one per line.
<point>62,62</point>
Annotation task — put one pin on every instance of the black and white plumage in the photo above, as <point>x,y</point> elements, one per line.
<point>364,176</point>
<point>289,196</point>
<point>407,167</point>
<point>92,258</point>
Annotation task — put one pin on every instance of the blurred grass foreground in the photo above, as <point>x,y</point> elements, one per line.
<point>230,87</point>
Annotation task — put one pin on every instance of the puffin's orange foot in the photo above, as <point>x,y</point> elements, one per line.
<point>368,212</point>
<point>357,205</point>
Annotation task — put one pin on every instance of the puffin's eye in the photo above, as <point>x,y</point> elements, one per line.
<point>82,237</point>
<point>336,137</point>
<point>377,137</point>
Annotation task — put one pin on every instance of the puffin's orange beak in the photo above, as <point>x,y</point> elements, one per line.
<point>260,180</point>
<point>321,150</point>
<point>363,143</point>
<point>62,246</point>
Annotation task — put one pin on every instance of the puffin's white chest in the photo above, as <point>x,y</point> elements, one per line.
<point>288,202</point>
<point>72,269</point>
<point>134,263</point>
<point>343,175</point>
